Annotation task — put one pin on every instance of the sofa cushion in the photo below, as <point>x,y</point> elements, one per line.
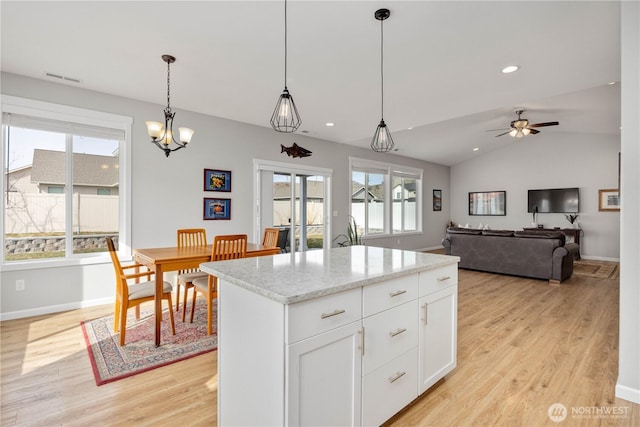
<point>462,230</point>
<point>540,234</point>
<point>497,233</point>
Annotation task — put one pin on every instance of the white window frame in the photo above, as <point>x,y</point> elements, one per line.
<point>46,110</point>
<point>390,170</point>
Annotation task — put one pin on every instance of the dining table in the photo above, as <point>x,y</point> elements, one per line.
<point>161,260</point>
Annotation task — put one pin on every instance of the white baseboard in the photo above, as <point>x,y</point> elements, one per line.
<point>54,309</point>
<point>628,393</point>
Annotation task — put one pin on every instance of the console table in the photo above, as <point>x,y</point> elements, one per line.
<point>571,232</point>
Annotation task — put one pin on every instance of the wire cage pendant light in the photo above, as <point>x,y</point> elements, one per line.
<point>162,133</point>
<point>285,117</point>
<point>382,141</point>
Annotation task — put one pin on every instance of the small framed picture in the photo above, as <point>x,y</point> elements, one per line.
<point>437,200</point>
<point>217,180</point>
<point>217,209</point>
<point>609,200</point>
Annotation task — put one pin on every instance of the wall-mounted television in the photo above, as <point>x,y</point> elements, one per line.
<point>554,200</point>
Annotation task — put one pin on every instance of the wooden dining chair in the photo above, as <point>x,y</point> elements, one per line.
<point>231,246</point>
<point>134,294</point>
<point>188,237</point>
<point>270,237</point>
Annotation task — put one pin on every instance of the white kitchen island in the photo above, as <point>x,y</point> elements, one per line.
<point>346,336</point>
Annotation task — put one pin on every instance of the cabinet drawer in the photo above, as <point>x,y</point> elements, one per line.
<point>440,278</point>
<point>389,388</point>
<point>308,318</point>
<point>389,334</point>
<point>392,293</point>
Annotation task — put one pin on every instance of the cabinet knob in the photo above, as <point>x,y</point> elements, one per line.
<point>334,313</point>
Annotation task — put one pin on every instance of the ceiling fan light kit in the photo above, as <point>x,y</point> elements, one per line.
<point>382,141</point>
<point>521,127</point>
<point>285,117</point>
<point>162,133</point>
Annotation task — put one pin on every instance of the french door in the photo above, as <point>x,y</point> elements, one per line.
<point>297,201</point>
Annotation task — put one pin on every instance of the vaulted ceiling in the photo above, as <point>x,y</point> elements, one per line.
<point>442,63</point>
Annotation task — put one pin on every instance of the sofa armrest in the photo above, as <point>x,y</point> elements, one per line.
<point>562,265</point>
<point>447,245</point>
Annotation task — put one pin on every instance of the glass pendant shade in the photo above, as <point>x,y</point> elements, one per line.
<point>185,135</point>
<point>154,129</point>
<point>382,141</point>
<point>285,117</point>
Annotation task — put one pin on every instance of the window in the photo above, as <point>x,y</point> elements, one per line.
<point>374,212</point>
<point>62,181</point>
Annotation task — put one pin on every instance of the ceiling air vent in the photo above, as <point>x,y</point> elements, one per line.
<point>57,76</point>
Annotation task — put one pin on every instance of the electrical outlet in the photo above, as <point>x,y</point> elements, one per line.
<point>19,285</point>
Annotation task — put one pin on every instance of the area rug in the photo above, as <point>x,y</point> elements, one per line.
<point>111,362</point>
<point>596,269</point>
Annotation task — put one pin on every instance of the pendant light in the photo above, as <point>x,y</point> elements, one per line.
<point>382,141</point>
<point>285,117</point>
<point>162,134</point>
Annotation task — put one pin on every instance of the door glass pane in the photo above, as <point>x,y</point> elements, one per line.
<point>358,200</point>
<point>282,207</point>
<point>410,205</point>
<point>34,217</point>
<point>95,211</point>
<point>315,212</point>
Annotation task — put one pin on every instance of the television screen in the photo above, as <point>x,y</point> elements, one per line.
<point>554,200</point>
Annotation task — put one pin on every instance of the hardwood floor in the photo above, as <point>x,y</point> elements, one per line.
<point>523,345</point>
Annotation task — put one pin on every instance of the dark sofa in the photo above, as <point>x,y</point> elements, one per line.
<point>528,253</point>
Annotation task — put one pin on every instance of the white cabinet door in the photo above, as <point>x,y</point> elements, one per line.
<point>324,379</point>
<point>438,336</point>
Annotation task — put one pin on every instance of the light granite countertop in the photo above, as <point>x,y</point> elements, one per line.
<point>295,277</point>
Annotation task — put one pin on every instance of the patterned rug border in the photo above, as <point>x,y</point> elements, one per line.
<point>600,267</point>
<point>172,353</point>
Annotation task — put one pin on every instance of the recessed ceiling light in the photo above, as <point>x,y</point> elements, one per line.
<point>612,83</point>
<point>410,128</point>
<point>329,124</point>
<point>510,69</point>
<point>476,149</point>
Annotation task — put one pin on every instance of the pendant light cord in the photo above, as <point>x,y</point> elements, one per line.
<point>381,70</point>
<point>285,44</point>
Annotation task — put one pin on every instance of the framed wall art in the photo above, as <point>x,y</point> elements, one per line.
<point>217,209</point>
<point>437,200</point>
<point>609,200</point>
<point>217,180</point>
<point>488,203</point>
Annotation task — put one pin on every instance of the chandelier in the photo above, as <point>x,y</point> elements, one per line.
<point>162,134</point>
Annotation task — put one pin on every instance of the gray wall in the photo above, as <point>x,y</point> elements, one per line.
<point>167,192</point>
<point>552,159</point>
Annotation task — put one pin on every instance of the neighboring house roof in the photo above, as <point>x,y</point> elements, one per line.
<point>358,195</point>
<point>408,186</point>
<point>88,169</point>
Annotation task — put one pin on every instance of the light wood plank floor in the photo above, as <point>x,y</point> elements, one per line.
<point>522,345</point>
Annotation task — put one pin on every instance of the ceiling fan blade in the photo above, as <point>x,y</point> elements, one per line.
<point>533,131</point>
<point>503,133</point>
<point>496,130</point>
<point>540,125</point>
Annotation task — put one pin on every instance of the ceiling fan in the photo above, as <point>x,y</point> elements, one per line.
<point>521,127</point>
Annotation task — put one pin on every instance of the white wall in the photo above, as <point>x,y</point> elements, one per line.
<point>167,193</point>
<point>628,385</point>
<point>551,159</point>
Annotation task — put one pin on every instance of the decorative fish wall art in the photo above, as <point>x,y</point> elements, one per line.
<point>295,151</point>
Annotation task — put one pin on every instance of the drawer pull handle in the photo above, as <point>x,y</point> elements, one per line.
<point>443,278</point>
<point>397,332</point>
<point>335,313</point>
<point>396,377</point>
<point>396,293</point>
